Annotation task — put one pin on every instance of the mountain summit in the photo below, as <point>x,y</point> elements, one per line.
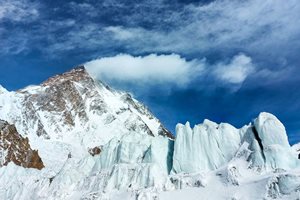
<point>73,137</point>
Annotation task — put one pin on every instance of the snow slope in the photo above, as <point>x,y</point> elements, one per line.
<point>99,143</point>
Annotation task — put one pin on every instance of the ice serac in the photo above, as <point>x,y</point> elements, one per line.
<point>272,144</point>
<point>270,130</point>
<point>209,146</point>
<point>206,147</point>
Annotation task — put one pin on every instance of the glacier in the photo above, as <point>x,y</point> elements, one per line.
<point>99,143</point>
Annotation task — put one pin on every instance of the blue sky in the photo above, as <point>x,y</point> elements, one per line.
<point>225,60</point>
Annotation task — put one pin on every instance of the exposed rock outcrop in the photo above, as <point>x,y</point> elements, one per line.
<point>95,151</point>
<point>14,148</point>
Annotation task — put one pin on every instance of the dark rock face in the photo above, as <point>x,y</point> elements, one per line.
<point>95,151</point>
<point>164,132</point>
<point>77,74</point>
<point>14,148</point>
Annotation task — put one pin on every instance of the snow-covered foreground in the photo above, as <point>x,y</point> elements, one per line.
<point>98,143</point>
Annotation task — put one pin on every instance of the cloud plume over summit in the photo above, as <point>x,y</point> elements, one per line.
<point>171,69</point>
<point>152,69</point>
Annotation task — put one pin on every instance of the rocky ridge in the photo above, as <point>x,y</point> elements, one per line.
<point>14,148</point>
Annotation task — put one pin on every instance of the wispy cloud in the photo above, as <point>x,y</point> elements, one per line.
<point>157,26</point>
<point>15,10</point>
<point>15,41</point>
<point>84,8</point>
<point>250,25</point>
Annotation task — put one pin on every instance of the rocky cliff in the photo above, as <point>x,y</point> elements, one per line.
<point>14,148</point>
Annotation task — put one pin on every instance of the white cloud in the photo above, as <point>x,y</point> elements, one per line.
<point>170,69</point>
<point>236,71</point>
<point>152,69</point>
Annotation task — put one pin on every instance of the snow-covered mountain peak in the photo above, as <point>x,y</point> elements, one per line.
<point>75,109</point>
<point>77,74</point>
